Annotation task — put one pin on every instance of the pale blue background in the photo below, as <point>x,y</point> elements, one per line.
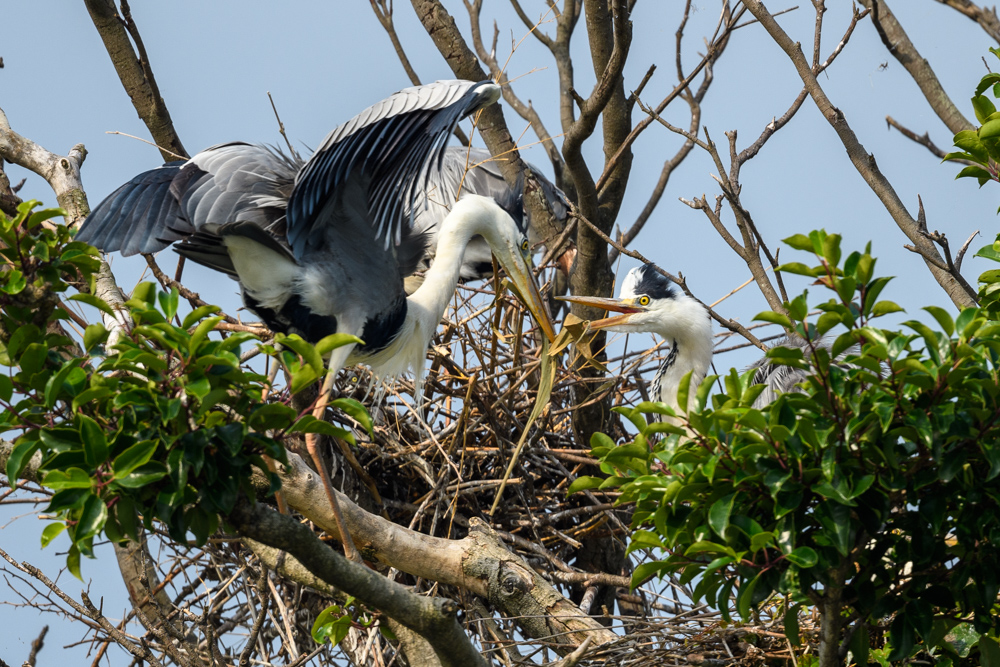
<point>324,61</point>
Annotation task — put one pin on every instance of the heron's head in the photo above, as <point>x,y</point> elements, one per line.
<point>500,224</point>
<point>648,303</point>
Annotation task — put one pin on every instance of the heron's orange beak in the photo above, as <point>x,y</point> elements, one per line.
<point>627,306</point>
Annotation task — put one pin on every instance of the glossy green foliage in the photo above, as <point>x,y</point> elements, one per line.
<point>981,146</point>
<point>879,483</point>
<point>163,424</point>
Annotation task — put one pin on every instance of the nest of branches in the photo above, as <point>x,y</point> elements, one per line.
<point>471,448</point>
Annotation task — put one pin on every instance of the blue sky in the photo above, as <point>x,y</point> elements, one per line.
<point>324,62</point>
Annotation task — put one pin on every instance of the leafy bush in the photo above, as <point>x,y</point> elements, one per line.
<point>873,495</point>
<point>163,424</point>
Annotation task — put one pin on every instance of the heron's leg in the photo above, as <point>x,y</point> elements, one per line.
<point>337,360</point>
<point>271,375</point>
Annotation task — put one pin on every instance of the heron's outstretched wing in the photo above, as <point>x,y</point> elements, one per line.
<point>393,146</point>
<point>476,172</point>
<point>235,182</point>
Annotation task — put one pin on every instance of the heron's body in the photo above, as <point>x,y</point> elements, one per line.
<point>651,305</point>
<point>324,246</point>
<point>473,171</point>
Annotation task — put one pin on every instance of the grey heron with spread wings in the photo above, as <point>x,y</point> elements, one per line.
<point>649,303</point>
<point>323,247</point>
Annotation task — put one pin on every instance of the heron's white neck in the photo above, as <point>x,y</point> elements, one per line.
<point>469,216</point>
<point>690,338</point>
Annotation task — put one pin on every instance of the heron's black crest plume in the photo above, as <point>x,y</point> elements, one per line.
<point>653,284</point>
<point>512,201</point>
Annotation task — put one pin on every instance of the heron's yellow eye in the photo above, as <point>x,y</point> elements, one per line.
<point>525,245</point>
<point>644,300</point>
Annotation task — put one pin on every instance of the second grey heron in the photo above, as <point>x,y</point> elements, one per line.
<point>328,251</point>
<point>648,303</point>
<point>473,171</point>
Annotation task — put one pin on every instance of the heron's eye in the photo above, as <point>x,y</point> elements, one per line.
<point>643,300</point>
<point>525,245</point>
<point>354,379</point>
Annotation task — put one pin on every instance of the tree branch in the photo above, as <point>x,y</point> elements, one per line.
<point>435,619</point>
<point>862,161</point>
<point>136,74</point>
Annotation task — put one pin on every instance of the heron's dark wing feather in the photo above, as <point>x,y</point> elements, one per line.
<point>140,216</point>
<point>233,182</point>
<point>395,144</point>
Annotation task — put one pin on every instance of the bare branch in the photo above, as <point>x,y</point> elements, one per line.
<point>986,17</point>
<point>924,139</point>
<point>135,72</point>
<point>863,162</point>
<point>899,45</point>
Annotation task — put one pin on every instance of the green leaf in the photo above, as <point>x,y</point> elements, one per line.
<point>644,571</point>
<point>943,318</point>
<point>330,626</point>
<point>745,597</point>
<point>14,282</point>
<point>800,269</point>
<point>94,335</point>
<point>51,532</point>
<point>804,557</point>
<point>94,301</point>
<point>309,354</point>
<point>95,513</point>
<point>143,475</point>
<point>309,424</point>
<point>19,457</point>
<point>201,333</point>
<point>71,478</point>
<point>133,457</point>
<point>168,302</point>
<point>799,242</point>
<point>989,130</point>
<point>54,386</point>
<point>884,308</point>
<point>95,443</point>
<point>968,141</point>
<point>718,514</point>
<point>583,483</point>
<point>357,411</point>
<point>989,652</point>
<point>983,107</point>
<point>975,172</point>
<point>333,341</point>
<point>792,624</point>
<point>773,318</point>
<point>197,314</point>
<point>73,561</point>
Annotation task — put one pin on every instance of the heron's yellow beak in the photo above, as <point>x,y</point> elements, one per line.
<point>627,306</point>
<point>520,274</point>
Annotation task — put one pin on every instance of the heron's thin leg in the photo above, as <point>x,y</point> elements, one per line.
<point>271,375</point>
<point>337,359</point>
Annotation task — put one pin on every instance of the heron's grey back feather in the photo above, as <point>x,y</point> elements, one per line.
<point>395,143</point>
<point>778,379</point>
<point>482,178</point>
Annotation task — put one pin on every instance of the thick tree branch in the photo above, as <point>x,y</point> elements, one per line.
<point>435,619</point>
<point>478,563</point>
<point>900,46</point>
